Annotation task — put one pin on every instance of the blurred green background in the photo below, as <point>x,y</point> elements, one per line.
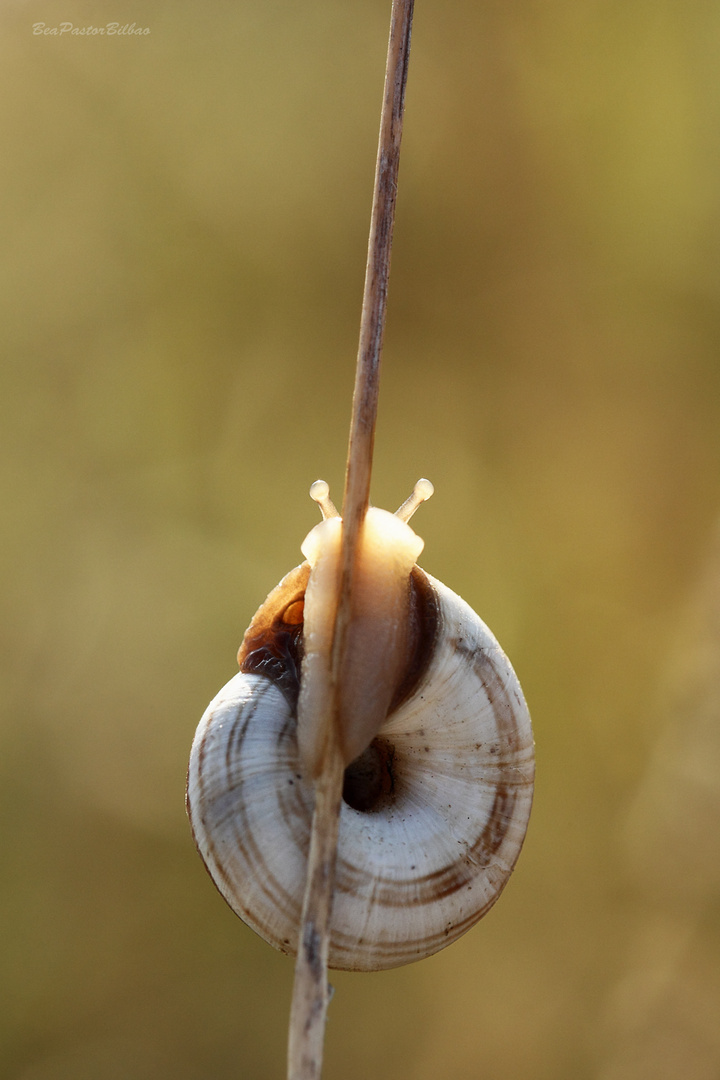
<point>184,219</point>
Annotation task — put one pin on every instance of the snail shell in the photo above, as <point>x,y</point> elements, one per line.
<point>434,810</point>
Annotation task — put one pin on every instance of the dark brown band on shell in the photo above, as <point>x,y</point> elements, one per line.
<point>509,780</point>
<point>275,895</point>
<point>423,630</point>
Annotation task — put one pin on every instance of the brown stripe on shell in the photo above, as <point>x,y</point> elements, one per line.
<point>282,900</point>
<point>296,811</point>
<point>461,871</point>
<point>424,629</point>
<point>393,953</point>
<point>492,836</point>
<point>279,898</point>
<point>503,706</point>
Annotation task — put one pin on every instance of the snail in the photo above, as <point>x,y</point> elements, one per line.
<point>360,790</point>
<point>436,743</point>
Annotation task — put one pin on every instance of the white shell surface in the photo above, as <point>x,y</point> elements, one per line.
<point>413,874</point>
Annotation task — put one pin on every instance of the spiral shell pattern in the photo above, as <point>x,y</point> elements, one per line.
<point>435,811</point>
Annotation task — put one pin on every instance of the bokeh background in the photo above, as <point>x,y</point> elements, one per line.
<point>184,219</point>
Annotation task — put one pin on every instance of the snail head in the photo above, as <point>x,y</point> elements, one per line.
<point>352,704</point>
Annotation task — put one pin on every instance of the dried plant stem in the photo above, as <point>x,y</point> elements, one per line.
<point>377,272</point>
<point>310,992</point>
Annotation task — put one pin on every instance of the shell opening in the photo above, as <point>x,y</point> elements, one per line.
<point>422,491</point>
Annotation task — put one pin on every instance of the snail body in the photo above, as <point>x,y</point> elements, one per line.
<point>439,764</point>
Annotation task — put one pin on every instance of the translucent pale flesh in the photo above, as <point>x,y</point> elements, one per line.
<point>376,640</point>
<point>321,548</point>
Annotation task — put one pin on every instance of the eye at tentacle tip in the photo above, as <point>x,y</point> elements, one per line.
<point>423,490</point>
<point>320,493</point>
<point>420,494</point>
